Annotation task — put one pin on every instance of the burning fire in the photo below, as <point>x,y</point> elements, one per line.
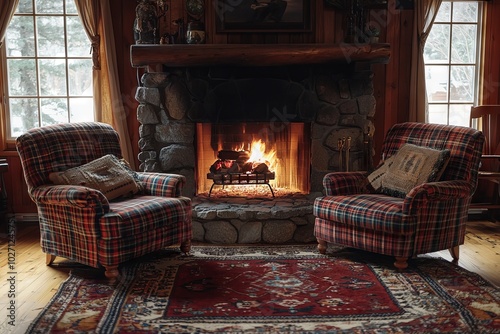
<point>239,160</point>
<point>258,155</point>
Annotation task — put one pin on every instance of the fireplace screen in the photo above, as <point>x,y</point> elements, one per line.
<point>252,158</point>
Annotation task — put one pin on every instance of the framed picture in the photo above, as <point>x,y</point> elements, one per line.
<point>263,15</point>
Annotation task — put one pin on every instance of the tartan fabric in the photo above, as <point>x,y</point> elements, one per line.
<point>162,184</point>
<point>345,183</point>
<point>378,212</point>
<point>152,211</point>
<point>79,223</point>
<point>400,245</point>
<point>59,147</point>
<point>433,215</point>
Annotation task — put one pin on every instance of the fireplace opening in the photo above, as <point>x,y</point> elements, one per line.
<point>253,158</point>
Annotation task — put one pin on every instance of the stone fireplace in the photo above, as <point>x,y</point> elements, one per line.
<point>303,110</point>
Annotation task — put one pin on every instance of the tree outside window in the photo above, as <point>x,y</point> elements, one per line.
<point>452,62</point>
<point>48,66</point>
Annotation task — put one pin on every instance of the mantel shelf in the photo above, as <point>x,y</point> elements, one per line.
<point>184,55</point>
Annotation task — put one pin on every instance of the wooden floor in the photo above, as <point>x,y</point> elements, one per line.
<point>34,283</point>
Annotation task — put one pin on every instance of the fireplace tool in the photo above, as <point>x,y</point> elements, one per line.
<point>340,146</point>
<point>347,153</point>
<point>344,146</point>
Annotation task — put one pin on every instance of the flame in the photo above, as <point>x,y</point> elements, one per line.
<point>258,154</point>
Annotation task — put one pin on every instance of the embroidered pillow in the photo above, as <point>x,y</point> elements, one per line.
<point>374,179</point>
<point>108,174</point>
<point>411,166</point>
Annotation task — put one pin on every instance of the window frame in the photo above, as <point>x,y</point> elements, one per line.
<point>450,64</point>
<point>7,141</point>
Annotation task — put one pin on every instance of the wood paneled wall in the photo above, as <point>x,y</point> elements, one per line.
<point>391,81</point>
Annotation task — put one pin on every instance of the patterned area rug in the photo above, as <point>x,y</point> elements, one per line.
<point>274,289</point>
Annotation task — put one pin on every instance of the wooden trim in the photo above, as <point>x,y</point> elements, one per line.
<point>174,55</point>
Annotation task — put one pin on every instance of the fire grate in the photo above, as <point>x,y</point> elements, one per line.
<point>247,179</point>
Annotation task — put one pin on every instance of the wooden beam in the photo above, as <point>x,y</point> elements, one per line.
<point>183,55</point>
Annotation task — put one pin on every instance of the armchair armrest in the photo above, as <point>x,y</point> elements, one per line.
<point>161,184</point>
<point>433,192</point>
<point>344,183</point>
<point>69,195</point>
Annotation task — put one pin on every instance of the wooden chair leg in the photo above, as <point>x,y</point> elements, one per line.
<point>111,273</point>
<point>186,247</point>
<point>49,259</point>
<point>455,252</point>
<point>401,263</point>
<point>322,245</point>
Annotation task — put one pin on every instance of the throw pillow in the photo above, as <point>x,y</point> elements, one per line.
<point>374,179</point>
<point>411,166</point>
<point>108,174</point>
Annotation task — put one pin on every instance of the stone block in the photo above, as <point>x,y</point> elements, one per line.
<point>204,212</point>
<point>320,155</point>
<point>327,115</point>
<point>146,130</point>
<point>175,132</point>
<point>146,114</point>
<point>220,232</point>
<point>177,100</point>
<point>147,156</point>
<point>304,234</point>
<point>198,231</point>
<point>367,105</point>
<point>154,79</point>
<point>327,89</point>
<point>148,95</point>
<point>174,157</point>
<point>250,232</point>
<point>227,214</point>
<point>278,231</point>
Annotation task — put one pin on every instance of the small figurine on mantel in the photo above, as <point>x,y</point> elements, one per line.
<point>146,23</point>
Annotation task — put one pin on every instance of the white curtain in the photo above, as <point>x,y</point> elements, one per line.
<point>424,15</point>
<point>97,20</point>
<point>7,9</point>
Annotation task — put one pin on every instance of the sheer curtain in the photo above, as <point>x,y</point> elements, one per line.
<point>425,13</point>
<point>96,18</point>
<point>7,9</point>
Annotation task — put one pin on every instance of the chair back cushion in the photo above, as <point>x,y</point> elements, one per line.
<point>56,148</point>
<point>465,145</point>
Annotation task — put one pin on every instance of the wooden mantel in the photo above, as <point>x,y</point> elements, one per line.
<point>184,55</point>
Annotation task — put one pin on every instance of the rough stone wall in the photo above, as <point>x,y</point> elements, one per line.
<point>338,103</point>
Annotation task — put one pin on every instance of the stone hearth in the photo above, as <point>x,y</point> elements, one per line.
<point>230,220</point>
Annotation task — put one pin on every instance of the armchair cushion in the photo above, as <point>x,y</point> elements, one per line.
<point>108,174</point>
<point>411,166</point>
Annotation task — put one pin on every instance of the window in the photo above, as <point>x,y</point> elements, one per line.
<point>451,57</point>
<point>48,77</point>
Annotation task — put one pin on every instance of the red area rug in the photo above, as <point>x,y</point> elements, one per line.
<point>276,289</point>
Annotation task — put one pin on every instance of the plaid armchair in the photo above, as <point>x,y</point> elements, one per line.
<point>430,218</point>
<point>79,223</point>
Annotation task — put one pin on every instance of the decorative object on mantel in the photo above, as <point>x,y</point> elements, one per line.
<point>372,33</point>
<point>195,8</point>
<point>147,21</point>
<point>195,33</point>
<point>356,27</point>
